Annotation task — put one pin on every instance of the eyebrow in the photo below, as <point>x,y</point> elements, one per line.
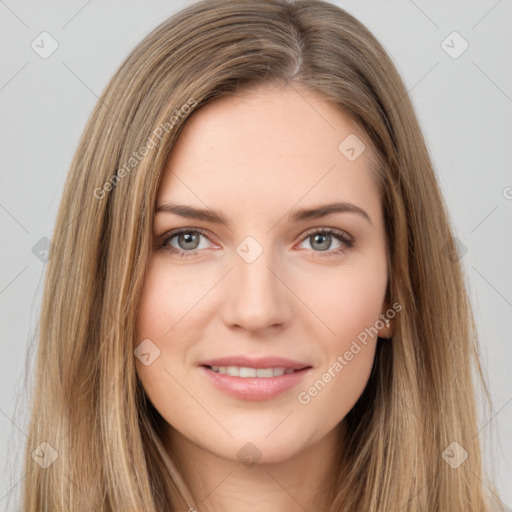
<point>316,212</point>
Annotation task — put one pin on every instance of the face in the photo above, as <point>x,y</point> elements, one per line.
<point>270,289</point>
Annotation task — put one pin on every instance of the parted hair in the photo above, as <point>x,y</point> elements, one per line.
<point>87,402</point>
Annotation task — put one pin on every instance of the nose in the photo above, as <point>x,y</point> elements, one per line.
<point>257,298</point>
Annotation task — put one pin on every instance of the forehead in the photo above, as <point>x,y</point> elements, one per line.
<point>268,148</point>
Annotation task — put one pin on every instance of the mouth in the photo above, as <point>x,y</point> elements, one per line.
<point>248,372</point>
<point>260,381</point>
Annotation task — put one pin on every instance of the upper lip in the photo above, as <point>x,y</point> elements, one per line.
<point>256,362</point>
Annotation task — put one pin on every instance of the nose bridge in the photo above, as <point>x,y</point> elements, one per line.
<point>256,298</point>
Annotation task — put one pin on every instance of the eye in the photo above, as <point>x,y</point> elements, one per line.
<point>187,242</point>
<point>184,242</point>
<point>320,240</point>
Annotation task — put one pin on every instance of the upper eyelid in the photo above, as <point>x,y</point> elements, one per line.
<point>338,231</point>
<point>171,234</point>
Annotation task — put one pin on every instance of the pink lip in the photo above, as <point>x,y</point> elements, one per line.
<point>255,388</point>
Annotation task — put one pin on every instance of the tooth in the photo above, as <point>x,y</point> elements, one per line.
<point>264,372</point>
<point>237,371</point>
<point>247,372</point>
<point>234,371</point>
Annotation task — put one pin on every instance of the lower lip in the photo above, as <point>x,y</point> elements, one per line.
<point>254,388</point>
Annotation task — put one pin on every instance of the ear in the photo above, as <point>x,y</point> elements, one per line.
<point>387,322</point>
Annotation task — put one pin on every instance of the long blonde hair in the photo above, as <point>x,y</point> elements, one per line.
<point>104,449</point>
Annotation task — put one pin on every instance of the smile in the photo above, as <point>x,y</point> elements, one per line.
<point>245,372</point>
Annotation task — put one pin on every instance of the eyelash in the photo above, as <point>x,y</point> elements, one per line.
<point>338,234</point>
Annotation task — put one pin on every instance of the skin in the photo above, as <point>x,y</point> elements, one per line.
<point>254,158</point>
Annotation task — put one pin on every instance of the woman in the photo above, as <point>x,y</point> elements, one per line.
<point>253,300</point>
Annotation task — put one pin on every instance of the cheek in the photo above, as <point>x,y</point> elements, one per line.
<point>167,297</point>
<point>158,313</point>
<point>163,305</point>
<point>346,301</point>
<point>337,387</point>
<point>170,309</point>
<point>349,303</point>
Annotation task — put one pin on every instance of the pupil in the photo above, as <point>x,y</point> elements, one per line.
<point>188,238</point>
<point>325,244</point>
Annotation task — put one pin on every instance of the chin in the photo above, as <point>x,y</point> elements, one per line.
<point>259,449</point>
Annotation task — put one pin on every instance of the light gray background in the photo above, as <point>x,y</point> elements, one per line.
<point>464,106</point>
